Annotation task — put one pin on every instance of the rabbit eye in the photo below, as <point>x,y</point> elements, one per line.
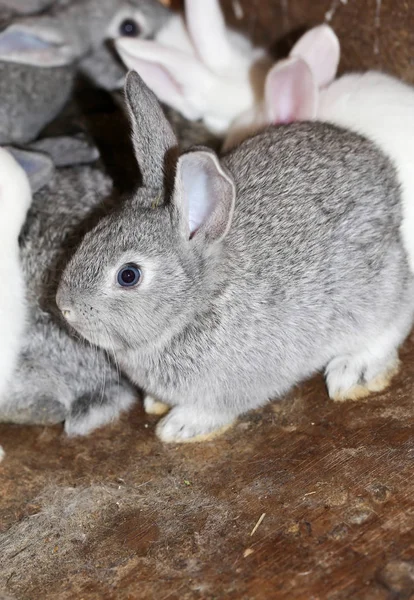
<point>129,275</point>
<point>129,28</point>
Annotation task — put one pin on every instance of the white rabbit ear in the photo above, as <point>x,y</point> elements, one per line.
<point>290,92</point>
<point>34,45</point>
<point>39,167</point>
<point>205,195</point>
<point>207,28</point>
<point>171,74</point>
<point>320,48</point>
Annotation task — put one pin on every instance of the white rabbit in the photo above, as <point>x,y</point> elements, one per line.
<point>373,104</point>
<point>15,199</point>
<point>291,86</point>
<point>200,68</point>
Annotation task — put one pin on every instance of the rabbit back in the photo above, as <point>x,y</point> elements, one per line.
<point>381,108</point>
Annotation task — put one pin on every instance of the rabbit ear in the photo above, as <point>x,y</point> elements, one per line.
<point>290,92</point>
<point>207,28</point>
<point>205,195</point>
<point>156,147</point>
<point>67,151</point>
<point>171,74</point>
<point>34,45</point>
<point>320,48</point>
<point>39,167</point>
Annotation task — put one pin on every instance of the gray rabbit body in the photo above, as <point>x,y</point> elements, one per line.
<point>58,376</point>
<point>253,272</point>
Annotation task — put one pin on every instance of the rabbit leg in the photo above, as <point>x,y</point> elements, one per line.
<point>155,407</point>
<point>192,424</point>
<point>35,395</point>
<point>33,410</point>
<point>87,414</point>
<point>357,376</point>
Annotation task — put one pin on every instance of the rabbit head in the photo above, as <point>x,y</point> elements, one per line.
<point>201,69</point>
<point>70,32</point>
<point>155,248</point>
<point>292,86</point>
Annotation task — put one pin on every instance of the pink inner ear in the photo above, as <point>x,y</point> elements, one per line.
<point>320,48</point>
<point>290,92</point>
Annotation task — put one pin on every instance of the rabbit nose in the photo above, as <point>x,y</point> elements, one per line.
<point>64,305</point>
<point>67,313</point>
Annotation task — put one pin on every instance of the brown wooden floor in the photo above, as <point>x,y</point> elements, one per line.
<point>118,515</point>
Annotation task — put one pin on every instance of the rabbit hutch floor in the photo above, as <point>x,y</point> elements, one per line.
<point>305,499</point>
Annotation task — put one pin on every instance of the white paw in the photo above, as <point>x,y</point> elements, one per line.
<point>352,378</point>
<point>186,424</point>
<point>154,407</point>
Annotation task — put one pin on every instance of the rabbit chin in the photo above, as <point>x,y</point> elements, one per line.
<point>94,334</point>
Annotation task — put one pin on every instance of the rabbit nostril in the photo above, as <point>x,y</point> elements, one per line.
<point>67,313</point>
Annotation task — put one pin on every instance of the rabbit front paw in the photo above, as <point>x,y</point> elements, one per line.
<point>154,407</point>
<point>186,424</point>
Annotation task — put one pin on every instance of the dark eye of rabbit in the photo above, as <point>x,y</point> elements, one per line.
<point>129,28</point>
<point>129,275</point>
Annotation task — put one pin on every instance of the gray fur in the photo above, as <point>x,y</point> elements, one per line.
<point>188,133</point>
<point>311,275</point>
<point>39,171</point>
<point>102,65</point>
<point>59,377</point>
<point>30,97</point>
<point>156,164</point>
<point>26,7</point>
<point>66,151</point>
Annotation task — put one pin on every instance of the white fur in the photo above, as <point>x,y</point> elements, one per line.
<point>15,199</point>
<point>375,363</point>
<point>201,69</point>
<point>155,407</point>
<point>188,424</point>
<point>287,95</point>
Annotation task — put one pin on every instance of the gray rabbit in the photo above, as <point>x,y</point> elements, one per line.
<point>41,55</point>
<point>69,32</point>
<point>59,378</point>
<point>222,283</point>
